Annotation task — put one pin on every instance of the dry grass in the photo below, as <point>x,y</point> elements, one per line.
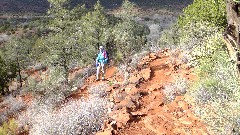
<point>84,116</point>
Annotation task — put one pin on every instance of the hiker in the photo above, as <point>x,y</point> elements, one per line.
<point>101,62</point>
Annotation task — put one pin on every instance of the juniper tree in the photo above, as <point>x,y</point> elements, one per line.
<point>18,51</point>
<point>7,73</point>
<point>129,36</point>
<point>64,43</point>
<point>96,26</point>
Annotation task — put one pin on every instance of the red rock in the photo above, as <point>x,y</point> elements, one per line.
<point>178,131</point>
<point>134,79</point>
<point>108,89</point>
<point>155,87</point>
<point>159,54</point>
<point>161,130</point>
<point>183,105</point>
<point>146,74</point>
<point>129,104</point>
<point>129,87</point>
<point>119,97</point>
<point>140,113</point>
<point>131,90</point>
<point>186,120</point>
<point>178,98</point>
<point>122,117</point>
<point>153,56</point>
<point>168,73</point>
<point>84,87</point>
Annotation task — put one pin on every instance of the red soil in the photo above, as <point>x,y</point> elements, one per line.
<point>143,110</point>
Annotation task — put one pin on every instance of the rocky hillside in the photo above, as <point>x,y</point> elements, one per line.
<point>152,101</point>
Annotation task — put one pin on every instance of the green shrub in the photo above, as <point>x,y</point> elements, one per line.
<point>237,1</point>
<point>216,93</point>
<point>211,11</point>
<point>200,40</point>
<point>8,128</point>
<point>170,38</point>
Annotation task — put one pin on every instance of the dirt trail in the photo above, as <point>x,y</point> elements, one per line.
<point>140,107</point>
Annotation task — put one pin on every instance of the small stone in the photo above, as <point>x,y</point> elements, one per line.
<point>120,97</point>
<point>115,86</point>
<point>153,56</point>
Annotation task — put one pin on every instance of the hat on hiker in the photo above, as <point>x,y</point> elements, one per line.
<point>101,47</point>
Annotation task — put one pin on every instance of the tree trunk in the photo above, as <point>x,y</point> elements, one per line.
<point>19,73</point>
<point>233,20</point>
<point>66,70</point>
<point>233,28</point>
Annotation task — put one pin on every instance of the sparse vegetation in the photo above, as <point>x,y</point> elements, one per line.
<point>216,94</point>
<point>179,87</point>
<point>83,116</point>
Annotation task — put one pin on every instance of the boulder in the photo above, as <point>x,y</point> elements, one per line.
<point>122,117</point>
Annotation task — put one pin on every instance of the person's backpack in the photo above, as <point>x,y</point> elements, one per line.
<point>106,55</point>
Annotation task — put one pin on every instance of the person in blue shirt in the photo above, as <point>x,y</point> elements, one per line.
<point>101,62</point>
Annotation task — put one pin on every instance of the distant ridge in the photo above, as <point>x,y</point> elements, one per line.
<point>41,6</point>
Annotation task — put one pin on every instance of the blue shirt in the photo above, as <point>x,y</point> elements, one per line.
<point>102,57</point>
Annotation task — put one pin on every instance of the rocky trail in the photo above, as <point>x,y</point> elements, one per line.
<point>140,107</point>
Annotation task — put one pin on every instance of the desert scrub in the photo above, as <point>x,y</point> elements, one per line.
<point>78,80</point>
<point>83,116</point>
<point>52,88</point>
<point>13,107</point>
<point>179,87</point>
<point>216,94</point>
<point>169,38</point>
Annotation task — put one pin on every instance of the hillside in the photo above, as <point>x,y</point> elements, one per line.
<point>40,6</point>
<point>168,69</point>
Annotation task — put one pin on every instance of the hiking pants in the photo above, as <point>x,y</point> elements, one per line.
<point>99,67</point>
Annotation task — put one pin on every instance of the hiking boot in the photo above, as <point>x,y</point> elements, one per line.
<point>103,79</point>
<point>97,79</point>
